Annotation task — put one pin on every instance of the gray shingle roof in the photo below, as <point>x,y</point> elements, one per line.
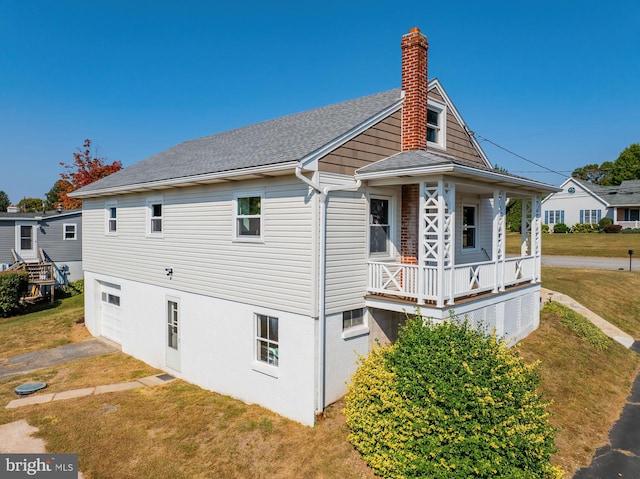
<point>416,159</point>
<point>625,194</point>
<point>32,215</point>
<point>285,139</point>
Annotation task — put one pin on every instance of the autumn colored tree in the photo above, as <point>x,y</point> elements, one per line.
<point>85,169</point>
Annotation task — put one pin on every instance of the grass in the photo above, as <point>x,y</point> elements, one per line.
<point>588,386</point>
<point>612,295</point>
<point>52,326</point>
<point>582,244</point>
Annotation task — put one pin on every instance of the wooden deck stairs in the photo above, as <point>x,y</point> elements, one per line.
<point>41,277</point>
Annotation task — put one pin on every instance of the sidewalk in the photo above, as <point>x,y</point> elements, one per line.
<point>607,328</point>
<point>149,381</point>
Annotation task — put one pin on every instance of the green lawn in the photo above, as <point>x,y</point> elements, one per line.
<point>582,244</point>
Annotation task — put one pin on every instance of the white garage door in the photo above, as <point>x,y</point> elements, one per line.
<point>111,313</point>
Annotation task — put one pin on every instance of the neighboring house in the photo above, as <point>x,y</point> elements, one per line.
<point>582,202</point>
<point>260,262</point>
<point>49,236</point>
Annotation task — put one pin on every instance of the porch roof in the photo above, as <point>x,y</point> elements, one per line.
<point>427,163</point>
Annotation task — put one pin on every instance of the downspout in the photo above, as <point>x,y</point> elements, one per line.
<point>322,269</point>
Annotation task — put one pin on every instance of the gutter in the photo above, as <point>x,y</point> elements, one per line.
<point>322,270</point>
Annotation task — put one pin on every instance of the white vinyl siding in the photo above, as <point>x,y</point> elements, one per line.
<point>347,224</point>
<point>199,244</point>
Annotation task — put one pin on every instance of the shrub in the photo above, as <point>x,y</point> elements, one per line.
<point>545,228</point>
<point>13,285</point>
<point>604,222</point>
<point>560,228</point>
<point>612,229</point>
<point>585,228</point>
<point>449,401</point>
<point>630,230</point>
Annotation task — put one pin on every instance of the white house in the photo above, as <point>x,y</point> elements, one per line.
<point>580,202</point>
<point>260,262</point>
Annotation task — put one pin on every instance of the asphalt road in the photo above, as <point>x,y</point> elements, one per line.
<point>592,262</point>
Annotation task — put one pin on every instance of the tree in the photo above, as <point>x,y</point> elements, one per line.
<point>85,169</point>
<point>52,198</point>
<point>30,205</point>
<point>4,201</point>
<point>612,173</point>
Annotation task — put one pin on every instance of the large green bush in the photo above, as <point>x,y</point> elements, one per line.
<point>449,401</point>
<point>560,228</point>
<point>13,285</point>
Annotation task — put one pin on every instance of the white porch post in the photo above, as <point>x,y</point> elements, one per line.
<point>536,236</point>
<point>499,239</point>
<point>437,240</point>
<point>422,254</point>
<point>525,229</point>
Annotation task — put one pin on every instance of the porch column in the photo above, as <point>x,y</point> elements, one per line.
<point>525,229</point>
<point>498,255</point>
<point>437,240</point>
<point>536,237</point>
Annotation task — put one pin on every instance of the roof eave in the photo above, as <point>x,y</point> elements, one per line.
<point>453,168</point>
<point>256,171</point>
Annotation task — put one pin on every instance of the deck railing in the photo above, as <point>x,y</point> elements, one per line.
<point>404,279</point>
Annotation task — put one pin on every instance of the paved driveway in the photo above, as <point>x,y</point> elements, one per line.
<point>592,262</point>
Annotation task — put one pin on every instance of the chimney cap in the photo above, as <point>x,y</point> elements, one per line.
<point>414,30</point>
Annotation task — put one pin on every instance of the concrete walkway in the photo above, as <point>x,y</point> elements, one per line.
<point>155,380</point>
<point>607,328</point>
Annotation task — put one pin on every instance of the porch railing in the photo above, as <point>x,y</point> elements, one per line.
<point>403,279</point>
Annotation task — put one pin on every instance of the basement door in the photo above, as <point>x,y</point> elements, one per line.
<point>173,334</point>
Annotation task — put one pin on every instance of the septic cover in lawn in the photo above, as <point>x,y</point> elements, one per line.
<point>29,388</point>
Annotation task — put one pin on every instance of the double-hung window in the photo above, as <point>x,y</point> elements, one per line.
<point>248,216</point>
<point>267,339</point>
<point>554,216</point>
<point>154,217</point>
<point>436,124</point>
<point>469,230</point>
<point>379,226</point>
<point>590,216</point>
<point>111,210</point>
<point>69,231</point>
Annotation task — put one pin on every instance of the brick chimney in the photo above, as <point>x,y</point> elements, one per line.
<point>414,85</point>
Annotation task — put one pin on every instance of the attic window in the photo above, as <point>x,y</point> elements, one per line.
<point>436,124</point>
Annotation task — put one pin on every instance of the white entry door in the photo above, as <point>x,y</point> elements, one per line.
<point>27,240</point>
<point>173,334</point>
<point>110,312</point>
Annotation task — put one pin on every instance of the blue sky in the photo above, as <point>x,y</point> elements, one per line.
<point>557,82</point>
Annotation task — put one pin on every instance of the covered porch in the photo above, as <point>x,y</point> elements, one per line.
<point>449,241</point>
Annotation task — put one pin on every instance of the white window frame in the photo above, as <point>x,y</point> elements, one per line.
<point>151,202</point>
<point>475,228</point>
<point>108,206</point>
<point>555,217</point>
<point>271,366</point>
<point>441,127</point>
<point>390,224</point>
<point>30,253</point>
<point>236,216</point>
<point>64,231</point>
<point>352,330</point>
